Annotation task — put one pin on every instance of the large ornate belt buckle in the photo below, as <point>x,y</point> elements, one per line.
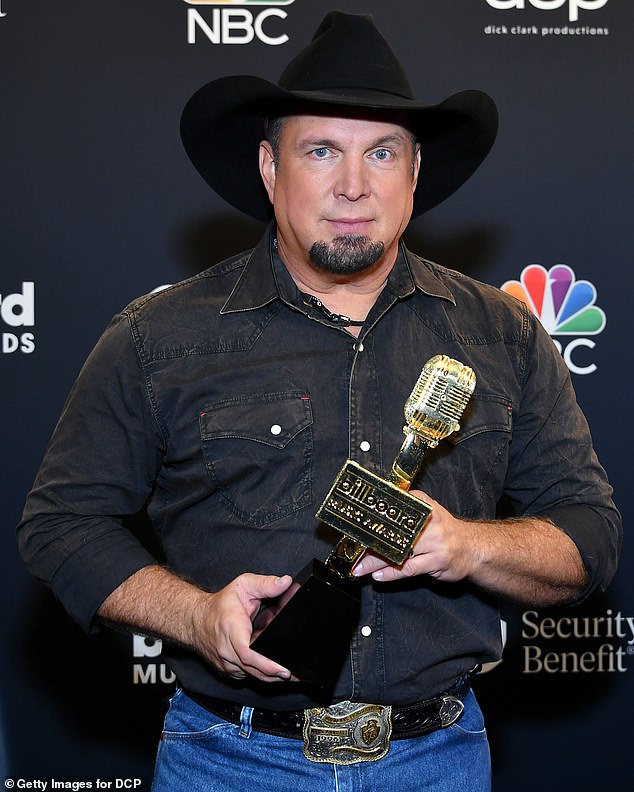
<point>347,733</point>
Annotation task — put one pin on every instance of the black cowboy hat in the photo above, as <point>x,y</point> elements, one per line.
<point>348,63</point>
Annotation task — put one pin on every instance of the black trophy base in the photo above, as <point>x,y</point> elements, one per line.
<point>308,630</point>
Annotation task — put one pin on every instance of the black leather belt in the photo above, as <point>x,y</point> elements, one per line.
<point>411,721</point>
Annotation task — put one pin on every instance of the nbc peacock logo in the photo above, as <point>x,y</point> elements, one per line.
<point>564,305</point>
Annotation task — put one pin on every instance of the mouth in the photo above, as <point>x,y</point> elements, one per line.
<point>350,225</point>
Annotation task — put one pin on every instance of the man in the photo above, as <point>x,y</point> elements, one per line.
<point>228,403</point>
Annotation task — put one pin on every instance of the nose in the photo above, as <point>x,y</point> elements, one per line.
<point>352,180</point>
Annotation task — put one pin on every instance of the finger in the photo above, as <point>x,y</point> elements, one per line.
<point>234,671</point>
<point>259,587</point>
<point>424,497</point>
<point>263,668</point>
<point>389,573</point>
<point>368,565</point>
<point>414,565</point>
<point>250,664</point>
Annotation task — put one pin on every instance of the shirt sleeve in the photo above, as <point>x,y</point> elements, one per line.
<point>554,471</point>
<point>98,470</point>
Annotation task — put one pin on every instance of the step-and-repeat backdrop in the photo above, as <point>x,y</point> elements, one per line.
<point>100,205</point>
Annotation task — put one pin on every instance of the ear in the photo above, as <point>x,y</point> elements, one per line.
<point>267,168</point>
<point>416,167</point>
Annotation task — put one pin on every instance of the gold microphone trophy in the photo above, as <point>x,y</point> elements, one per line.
<point>308,629</point>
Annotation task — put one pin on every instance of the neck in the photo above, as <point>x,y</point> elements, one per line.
<point>340,295</point>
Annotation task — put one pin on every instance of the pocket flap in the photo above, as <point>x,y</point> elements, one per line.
<point>270,418</point>
<point>485,412</point>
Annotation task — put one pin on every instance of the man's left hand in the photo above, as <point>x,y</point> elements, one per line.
<point>440,551</point>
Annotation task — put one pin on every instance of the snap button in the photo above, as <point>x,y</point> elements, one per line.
<point>276,429</point>
<point>364,445</point>
<point>366,631</point>
<point>359,347</point>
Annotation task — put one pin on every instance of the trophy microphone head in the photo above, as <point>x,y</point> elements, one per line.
<point>434,407</point>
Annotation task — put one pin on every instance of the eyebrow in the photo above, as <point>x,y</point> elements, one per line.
<point>394,138</point>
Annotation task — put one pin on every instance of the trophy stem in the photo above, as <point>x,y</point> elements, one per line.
<point>408,461</point>
<point>344,556</point>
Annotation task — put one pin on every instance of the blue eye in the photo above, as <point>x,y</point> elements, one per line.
<point>322,152</point>
<point>382,154</point>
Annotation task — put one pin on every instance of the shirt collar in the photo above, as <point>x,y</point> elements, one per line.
<point>421,275</point>
<point>256,286</point>
<point>265,279</point>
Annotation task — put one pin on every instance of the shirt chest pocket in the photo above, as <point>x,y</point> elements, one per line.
<point>469,469</point>
<point>258,452</point>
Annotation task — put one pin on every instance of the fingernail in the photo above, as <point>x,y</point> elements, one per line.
<point>378,575</point>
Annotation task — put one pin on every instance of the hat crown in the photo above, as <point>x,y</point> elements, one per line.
<point>347,52</point>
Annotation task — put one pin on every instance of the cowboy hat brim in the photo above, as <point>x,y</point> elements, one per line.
<point>223,124</point>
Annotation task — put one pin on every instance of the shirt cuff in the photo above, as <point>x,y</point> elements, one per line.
<point>91,574</point>
<point>597,535</point>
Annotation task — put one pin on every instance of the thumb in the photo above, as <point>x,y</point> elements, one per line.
<point>277,585</point>
<point>268,586</point>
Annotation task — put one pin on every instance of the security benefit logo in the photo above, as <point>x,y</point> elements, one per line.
<point>17,313</point>
<point>565,306</point>
<point>575,644</point>
<point>236,21</point>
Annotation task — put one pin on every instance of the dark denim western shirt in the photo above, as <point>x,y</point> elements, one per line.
<point>227,406</point>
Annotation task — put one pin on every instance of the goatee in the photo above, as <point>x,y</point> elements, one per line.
<point>346,254</point>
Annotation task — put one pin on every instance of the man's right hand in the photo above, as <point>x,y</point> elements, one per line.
<point>217,625</point>
<point>222,629</point>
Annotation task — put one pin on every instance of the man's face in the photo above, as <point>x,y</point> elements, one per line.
<point>342,190</point>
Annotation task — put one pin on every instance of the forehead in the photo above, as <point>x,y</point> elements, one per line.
<point>366,126</point>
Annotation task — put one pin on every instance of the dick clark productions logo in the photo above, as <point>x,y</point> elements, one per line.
<point>550,5</point>
<point>564,305</point>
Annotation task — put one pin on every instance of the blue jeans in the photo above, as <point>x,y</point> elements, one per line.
<point>199,752</point>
